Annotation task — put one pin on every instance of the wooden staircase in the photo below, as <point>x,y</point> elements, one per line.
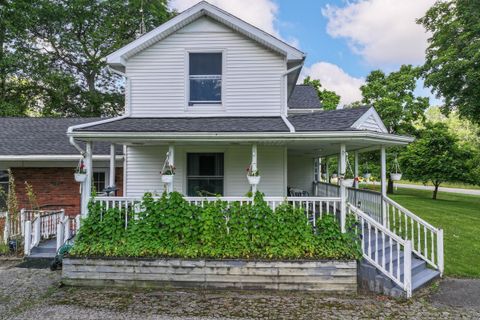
<point>374,280</point>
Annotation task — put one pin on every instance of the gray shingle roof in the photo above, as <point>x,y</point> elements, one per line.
<point>41,136</point>
<point>201,124</point>
<point>304,97</point>
<point>333,120</point>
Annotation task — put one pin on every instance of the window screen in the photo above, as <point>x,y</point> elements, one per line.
<point>205,77</point>
<point>204,174</point>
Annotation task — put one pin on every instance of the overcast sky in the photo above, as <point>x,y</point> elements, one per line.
<point>343,39</point>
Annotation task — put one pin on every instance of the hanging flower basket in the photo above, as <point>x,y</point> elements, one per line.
<point>253,180</point>
<point>367,175</point>
<point>396,176</point>
<point>167,178</point>
<point>80,177</point>
<point>80,172</point>
<point>348,182</point>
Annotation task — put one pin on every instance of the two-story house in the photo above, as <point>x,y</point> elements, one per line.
<point>209,95</point>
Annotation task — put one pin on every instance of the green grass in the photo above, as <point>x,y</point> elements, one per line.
<point>459,216</point>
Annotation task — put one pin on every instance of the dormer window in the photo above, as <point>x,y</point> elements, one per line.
<point>205,78</point>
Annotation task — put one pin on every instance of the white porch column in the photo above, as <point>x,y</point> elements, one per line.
<point>254,165</point>
<point>112,166</point>
<point>355,170</point>
<point>171,162</point>
<point>343,191</point>
<point>87,185</point>
<point>383,177</point>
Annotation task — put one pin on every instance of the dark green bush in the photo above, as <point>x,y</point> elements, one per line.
<point>172,227</point>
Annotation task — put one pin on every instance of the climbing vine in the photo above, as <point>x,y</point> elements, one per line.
<point>172,227</point>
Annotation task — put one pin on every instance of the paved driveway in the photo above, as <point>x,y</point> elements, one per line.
<point>36,294</point>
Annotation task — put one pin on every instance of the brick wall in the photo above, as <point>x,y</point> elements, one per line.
<point>55,188</point>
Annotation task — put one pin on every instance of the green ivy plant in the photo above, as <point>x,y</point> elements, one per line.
<point>170,226</point>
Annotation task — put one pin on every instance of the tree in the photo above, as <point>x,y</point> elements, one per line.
<point>16,93</point>
<point>66,43</point>
<point>394,99</point>
<point>328,99</point>
<point>452,65</point>
<point>435,157</point>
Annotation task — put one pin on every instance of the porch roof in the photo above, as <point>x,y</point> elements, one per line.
<point>335,120</point>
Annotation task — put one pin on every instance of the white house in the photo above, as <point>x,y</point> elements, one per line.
<point>214,95</point>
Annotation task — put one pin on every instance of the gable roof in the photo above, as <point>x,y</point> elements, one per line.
<point>41,136</point>
<point>117,59</point>
<point>304,96</point>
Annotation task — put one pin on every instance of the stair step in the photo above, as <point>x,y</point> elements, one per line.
<point>42,255</point>
<point>44,250</point>
<point>424,277</point>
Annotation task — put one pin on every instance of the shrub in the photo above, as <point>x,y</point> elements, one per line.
<point>172,227</point>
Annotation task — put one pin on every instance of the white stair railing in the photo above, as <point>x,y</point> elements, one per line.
<point>384,249</point>
<point>37,225</point>
<point>427,241</point>
<point>67,228</point>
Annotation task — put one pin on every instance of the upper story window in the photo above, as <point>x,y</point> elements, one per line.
<point>205,78</point>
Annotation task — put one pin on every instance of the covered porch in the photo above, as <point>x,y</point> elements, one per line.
<point>209,168</point>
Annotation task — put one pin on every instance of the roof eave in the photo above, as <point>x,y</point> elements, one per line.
<point>120,56</point>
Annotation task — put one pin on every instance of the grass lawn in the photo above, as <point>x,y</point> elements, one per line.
<point>444,184</point>
<point>459,216</point>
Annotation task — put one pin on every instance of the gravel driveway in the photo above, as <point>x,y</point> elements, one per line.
<point>36,294</point>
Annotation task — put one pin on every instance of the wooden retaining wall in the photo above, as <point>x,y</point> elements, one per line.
<point>328,276</point>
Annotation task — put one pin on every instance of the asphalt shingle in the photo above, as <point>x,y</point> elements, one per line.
<point>333,120</point>
<point>41,136</point>
<point>193,124</point>
<point>304,97</point>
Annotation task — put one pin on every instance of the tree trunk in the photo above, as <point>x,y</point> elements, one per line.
<point>435,191</point>
<point>390,186</point>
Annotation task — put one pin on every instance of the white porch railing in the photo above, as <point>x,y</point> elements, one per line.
<point>383,248</point>
<point>324,189</point>
<point>314,207</point>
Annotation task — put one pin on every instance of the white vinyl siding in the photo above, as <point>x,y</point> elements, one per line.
<point>251,85</point>
<point>144,164</point>
<point>370,124</point>
<point>301,172</point>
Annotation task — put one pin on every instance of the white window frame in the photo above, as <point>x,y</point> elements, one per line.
<point>101,170</point>
<point>208,150</point>
<point>205,106</point>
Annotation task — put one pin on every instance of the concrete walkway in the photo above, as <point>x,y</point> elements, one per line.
<point>440,189</point>
<point>473,192</point>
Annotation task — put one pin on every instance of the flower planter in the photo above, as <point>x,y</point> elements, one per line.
<point>396,176</point>
<point>367,175</point>
<point>253,180</point>
<point>347,183</point>
<point>167,178</point>
<point>80,177</point>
